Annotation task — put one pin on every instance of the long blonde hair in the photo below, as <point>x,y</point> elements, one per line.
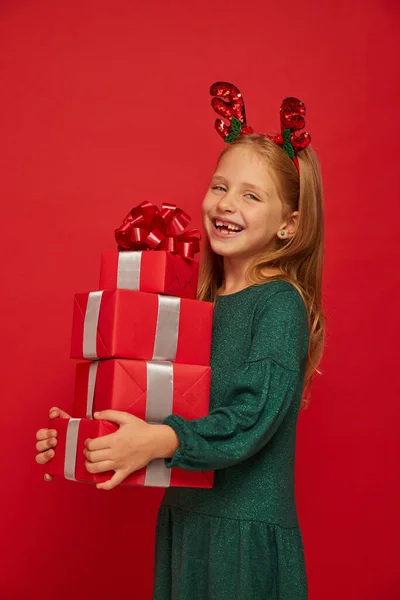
<point>299,259</point>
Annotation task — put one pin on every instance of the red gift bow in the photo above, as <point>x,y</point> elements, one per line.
<point>146,227</point>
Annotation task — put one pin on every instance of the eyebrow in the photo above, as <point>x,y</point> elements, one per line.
<point>244,184</point>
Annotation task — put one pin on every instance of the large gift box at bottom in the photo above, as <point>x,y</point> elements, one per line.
<point>69,460</point>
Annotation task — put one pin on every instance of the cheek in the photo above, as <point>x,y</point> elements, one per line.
<point>262,223</point>
<point>207,204</point>
<point>259,218</point>
<point>204,211</point>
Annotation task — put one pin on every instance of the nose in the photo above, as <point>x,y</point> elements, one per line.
<point>227,203</point>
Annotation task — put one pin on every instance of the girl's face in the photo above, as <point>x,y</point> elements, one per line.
<point>242,211</point>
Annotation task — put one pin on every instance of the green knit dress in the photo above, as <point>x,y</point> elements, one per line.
<point>241,540</point>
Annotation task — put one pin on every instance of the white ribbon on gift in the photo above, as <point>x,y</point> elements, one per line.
<point>128,274</point>
<point>167,327</point>
<point>159,403</point>
<point>91,387</point>
<point>71,446</point>
<point>90,324</point>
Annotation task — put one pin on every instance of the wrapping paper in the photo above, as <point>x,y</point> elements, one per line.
<point>158,272</point>
<point>139,325</point>
<point>150,390</point>
<point>69,460</point>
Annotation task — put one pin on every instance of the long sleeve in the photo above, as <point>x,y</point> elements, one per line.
<point>263,390</point>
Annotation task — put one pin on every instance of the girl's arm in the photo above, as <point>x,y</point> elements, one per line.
<point>268,385</point>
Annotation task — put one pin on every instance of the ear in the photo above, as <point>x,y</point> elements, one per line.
<point>289,226</point>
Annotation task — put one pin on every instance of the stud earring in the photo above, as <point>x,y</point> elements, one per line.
<point>282,233</point>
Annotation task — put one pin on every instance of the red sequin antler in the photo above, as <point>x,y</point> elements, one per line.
<point>228,102</point>
<point>292,114</point>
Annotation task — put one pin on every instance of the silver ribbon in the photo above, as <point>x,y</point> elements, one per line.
<point>167,328</point>
<point>92,374</point>
<point>90,324</point>
<point>160,394</point>
<point>71,445</point>
<point>128,275</point>
<point>159,403</point>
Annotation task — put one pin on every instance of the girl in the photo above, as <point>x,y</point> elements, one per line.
<point>262,267</point>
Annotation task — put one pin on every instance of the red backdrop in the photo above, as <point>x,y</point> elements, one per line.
<point>105,105</point>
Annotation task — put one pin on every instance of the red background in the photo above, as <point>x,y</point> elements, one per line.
<point>105,105</point>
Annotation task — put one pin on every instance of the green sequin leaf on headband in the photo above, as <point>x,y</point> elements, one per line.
<point>287,146</point>
<point>236,125</point>
<point>236,129</point>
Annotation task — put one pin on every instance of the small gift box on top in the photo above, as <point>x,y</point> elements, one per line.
<point>155,255</point>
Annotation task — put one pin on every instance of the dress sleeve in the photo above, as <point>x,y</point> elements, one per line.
<point>260,397</point>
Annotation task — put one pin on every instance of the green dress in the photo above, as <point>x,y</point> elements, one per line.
<point>241,540</point>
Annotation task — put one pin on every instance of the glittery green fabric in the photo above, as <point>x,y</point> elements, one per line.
<point>241,539</point>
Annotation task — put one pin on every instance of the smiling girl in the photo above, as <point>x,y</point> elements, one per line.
<point>262,268</point>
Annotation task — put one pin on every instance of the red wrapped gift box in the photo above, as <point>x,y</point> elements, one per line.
<point>126,324</point>
<point>69,460</point>
<point>150,390</point>
<point>158,272</point>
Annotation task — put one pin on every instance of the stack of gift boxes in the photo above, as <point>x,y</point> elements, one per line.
<point>146,341</point>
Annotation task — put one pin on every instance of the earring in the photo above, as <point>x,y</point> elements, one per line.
<point>282,233</point>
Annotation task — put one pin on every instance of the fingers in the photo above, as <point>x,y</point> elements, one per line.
<point>100,443</point>
<point>56,413</point>
<point>115,480</point>
<point>47,440</point>
<point>115,416</point>
<point>99,467</point>
<point>44,457</point>
<point>97,455</point>
<point>44,434</point>
<point>46,444</point>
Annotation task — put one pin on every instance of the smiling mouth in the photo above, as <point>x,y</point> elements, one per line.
<point>225,228</point>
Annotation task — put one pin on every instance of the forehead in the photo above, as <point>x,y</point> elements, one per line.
<point>241,164</point>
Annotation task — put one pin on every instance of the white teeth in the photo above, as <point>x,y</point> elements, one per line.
<point>229,226</point>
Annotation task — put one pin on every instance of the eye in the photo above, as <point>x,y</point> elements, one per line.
<point>253,197</point>
<point>218,187</point>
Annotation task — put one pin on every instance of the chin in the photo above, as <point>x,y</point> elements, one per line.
<point>222,250</point>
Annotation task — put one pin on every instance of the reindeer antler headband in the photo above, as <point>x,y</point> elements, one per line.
<point>228,102</point>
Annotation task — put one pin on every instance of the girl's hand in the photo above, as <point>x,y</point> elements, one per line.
<point>129,449</point>
<point>47,440</point>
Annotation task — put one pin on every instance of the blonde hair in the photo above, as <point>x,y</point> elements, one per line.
<point>299,259</point>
